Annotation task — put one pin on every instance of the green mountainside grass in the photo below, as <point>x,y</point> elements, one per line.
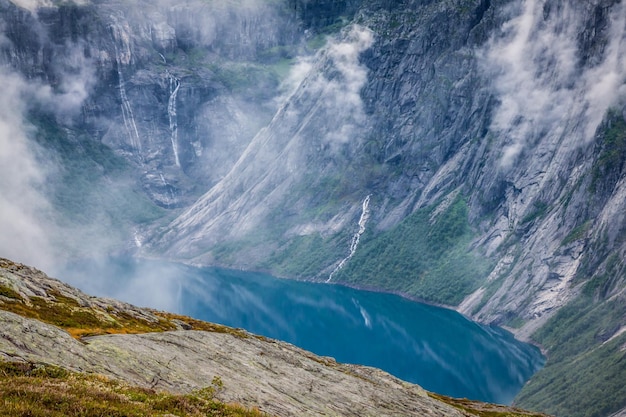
<point>587,359</point>
<point>586,339</point>
<point>425,256</point>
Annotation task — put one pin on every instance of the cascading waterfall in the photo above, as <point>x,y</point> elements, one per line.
<point>137,238</point>
<point>127,111</point>
<point>171,112</point>
<point>365,215</point>
<point>168,187</point>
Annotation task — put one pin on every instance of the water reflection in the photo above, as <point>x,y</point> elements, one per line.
<point>437,348</point>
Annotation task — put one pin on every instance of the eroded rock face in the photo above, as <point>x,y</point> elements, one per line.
<point>410,106</point>
<point>151,76</point>
<point>445,107</point>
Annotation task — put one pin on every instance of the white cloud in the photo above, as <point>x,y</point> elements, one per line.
<point>23,209</point>
<point>336,81</point>
<point>27,220</point>
<point>77,77</point>
<point>31,4</point>
<point>537,79</point>
<point>346,89</point>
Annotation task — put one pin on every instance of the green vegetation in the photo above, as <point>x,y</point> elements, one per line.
<point>88,321</point>
<point>587,354</point>
<point>36,390</point>
<point>242,77</point>
<point>426,255</point>
<point>282,67</point>
<point>613,152</point>
<point>65,313</point>
<point>577,233</point>
<point>539,209</point>
<point>9,292</point>
<point>194,324</point>
<point>306,256</point>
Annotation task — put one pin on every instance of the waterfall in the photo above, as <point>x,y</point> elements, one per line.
<point>137,238</point>
<point>171,112</point>
<point>127,111</point>
<point>365,215</point>
<point>168,187</point>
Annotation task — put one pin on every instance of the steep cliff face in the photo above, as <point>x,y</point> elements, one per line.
<point>140,100</point>
<point>412,114</point>
<point>152,76</point>
<point>466,152</point>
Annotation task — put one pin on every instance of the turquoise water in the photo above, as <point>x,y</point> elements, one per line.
<point>436,348</point>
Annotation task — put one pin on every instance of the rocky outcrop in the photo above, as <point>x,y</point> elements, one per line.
<point>278,378</point>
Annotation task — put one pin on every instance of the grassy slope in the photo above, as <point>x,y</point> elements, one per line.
<point>586,368</point>
<point>424,256</point>
<point>80,321</point>
<point>35,390</point>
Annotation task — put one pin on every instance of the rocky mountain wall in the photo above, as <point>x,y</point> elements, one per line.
<point>153,79</point>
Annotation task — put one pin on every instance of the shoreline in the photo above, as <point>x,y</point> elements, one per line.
<point>190,263</point>
<point>513,331</point>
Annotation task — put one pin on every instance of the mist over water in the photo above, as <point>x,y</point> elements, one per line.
<point>436,348</point>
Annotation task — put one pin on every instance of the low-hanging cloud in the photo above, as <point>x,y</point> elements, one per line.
<point>28,221</point>
<point>30,230</point>
<point>353,75</point>
<point>336,78</point>
<point>539,81</point>
<point>24,211</point>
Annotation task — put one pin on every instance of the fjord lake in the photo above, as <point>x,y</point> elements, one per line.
<point>437,348</point>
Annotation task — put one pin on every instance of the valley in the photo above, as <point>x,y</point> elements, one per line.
<point>467,153</point>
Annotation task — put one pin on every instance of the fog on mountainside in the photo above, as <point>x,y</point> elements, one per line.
<point>464,152</point>
<point>104,149</point>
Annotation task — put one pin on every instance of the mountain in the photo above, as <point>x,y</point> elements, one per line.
<point>158,353</point>
<point>468,153</point>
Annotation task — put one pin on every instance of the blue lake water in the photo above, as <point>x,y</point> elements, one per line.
<point>436,348</point>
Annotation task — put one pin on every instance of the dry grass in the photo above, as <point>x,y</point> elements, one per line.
<point>43,390</point>
<point>79,321</point>
<point>67,314</point>
<point>194,324</point>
